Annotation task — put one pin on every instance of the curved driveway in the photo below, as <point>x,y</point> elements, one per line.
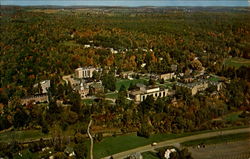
<point>146,148</point>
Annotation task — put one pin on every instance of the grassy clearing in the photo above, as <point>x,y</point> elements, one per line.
<point>237,62</point>
<point>232,116</point>
<point>112,95</point>
<point>71,43</point>
<point>218,139</point>
<point>127,82</point>
<point>150,155</point>
<point>112,145</point>
<point>87,101</point>
<point>26,154</point>
<point>214,79</point>
<point>21,135</point>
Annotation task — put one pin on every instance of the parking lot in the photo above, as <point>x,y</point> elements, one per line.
<point>230,150</point>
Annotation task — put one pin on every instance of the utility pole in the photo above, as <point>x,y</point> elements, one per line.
<point>91,140</point>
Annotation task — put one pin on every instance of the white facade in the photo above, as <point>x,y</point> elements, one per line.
<point>143,93</point>
<point>86,72</point>
<point>167,76</point>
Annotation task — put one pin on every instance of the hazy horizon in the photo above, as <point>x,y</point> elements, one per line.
<point>128,3</point>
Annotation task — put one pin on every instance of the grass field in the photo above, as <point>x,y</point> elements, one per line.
<point>71,43</point>
<point>111,95</point>
<point>87,101</point>
<point>237,62</point>
<point>150,155</point>
<point>218,139</point>
<point>112,145</point>
<point>232,116</point>
<point>127,82</point>
<point>21,135</point>
<point>214,79</point>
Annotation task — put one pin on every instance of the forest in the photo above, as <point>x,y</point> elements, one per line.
<point>38,45</point>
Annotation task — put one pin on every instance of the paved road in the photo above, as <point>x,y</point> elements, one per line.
<point>146,148</point>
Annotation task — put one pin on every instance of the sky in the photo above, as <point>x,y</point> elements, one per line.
<point>128,3</point>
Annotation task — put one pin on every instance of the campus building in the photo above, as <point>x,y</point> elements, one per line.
<point>167,76</point>
<point>198,86</point>
<point>85,72</point>
<point>45,85</point>
<point>144,91</point>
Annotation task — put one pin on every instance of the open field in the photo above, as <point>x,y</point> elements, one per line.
<point>21,135</point>
<point>127,82</point>
<point>237,62</point>
<point>71,43</point>
<point>232,116</point>
<point>150,155</point>
<point>176,141</point>
<point>112,145</point>
<point>48,11</point>
<point>112,95</point>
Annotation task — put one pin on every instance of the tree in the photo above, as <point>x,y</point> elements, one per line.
<point>151,82</point>
<point>144,131</point>
<point>122,94</point>
<point>147,104</point>
<point>81,151</point>
<point>21,118</point>
<point>75,100</point>
<point>108,81</point>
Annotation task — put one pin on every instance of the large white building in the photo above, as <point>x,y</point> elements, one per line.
<point>85,72</point>
<point>141,94</point>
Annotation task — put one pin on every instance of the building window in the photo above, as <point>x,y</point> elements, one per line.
<point>160,94</point>
<point>164,94</point>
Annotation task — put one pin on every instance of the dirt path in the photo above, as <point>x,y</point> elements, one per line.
<point>146,148</point>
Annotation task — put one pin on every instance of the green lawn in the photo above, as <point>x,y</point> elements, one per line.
<point>70,43</point>
<point>26,154</point>
<point>232,116</point>
<point>150,155</point>
<point>111,95</point>
<point>237,62</point>
<point>214,79</point>
<point>21,135</point>
<point>127,82</point>
<point>87,101</point>
<point>218,139</point>
<point>112,145</point>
